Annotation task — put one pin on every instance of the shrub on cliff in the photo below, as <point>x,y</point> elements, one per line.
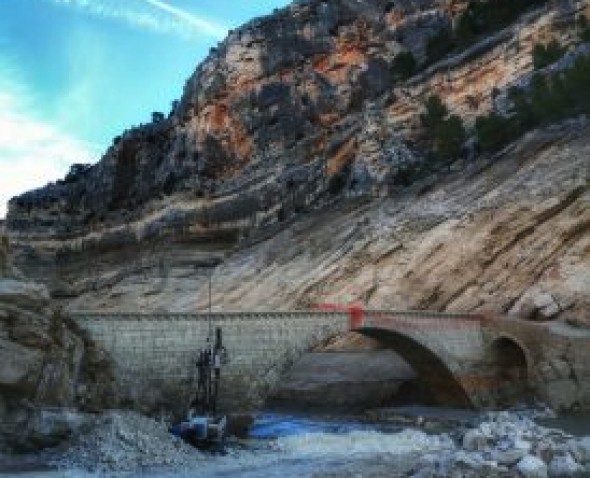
<point>548,98</point>
<point>76,172</point>
<point>158,117</point>
<point>446,134</point>
<point>556,96</point>
<point>481,17</point>
<point>338,182</point>
<point>584,28</point>
<point>408,174</point>
<point>3,256</point>
<point>545,55</point>
<point>485,16</point>
<point>439,45</point>
<point>449,139</point>
<point>435,111</point>
<point>495,131</point>
<point>403,66</point>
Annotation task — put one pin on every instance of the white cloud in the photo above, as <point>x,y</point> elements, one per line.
<point>153,15</point>
<point>32,152</point>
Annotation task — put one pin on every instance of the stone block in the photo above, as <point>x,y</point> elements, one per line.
<point>28,295</point>
<point>508,457</point>
<point>20,365</point>
<point>474,440</point>
<point>564,466</point>
<point>532,467</point>
<point>560,394</point>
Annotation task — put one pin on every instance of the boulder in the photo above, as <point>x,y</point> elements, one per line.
<point>537,304</point>
<point>562,394</point>
<point>20,368</point>
<point>28,295</point>
<point>532,467</point>
<point>580,449</point>
<point>564,466</point>
<point>508,457</point>
<point>545,306</point>
<point>49,427</point>
<point>474,440</point>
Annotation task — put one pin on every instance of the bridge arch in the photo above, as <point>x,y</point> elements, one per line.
<point>435,371</point>
<point>510,365</point>
<point>153,354</point>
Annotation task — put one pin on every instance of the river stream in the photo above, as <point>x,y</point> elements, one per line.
<point>316,446</point>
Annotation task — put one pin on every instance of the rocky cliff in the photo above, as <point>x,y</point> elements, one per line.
<point>49,367</point>
<point>286,158</point>
<point>507,235</point>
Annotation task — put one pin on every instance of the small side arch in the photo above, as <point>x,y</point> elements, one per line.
<point>510,371</point>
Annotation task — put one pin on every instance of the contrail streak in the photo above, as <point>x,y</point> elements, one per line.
<point>147,15</point>
<point>204,25</point>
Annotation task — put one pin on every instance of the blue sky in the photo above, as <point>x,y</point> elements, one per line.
<point>76,73</point>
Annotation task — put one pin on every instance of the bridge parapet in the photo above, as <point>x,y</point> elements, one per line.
<point>420,315</point>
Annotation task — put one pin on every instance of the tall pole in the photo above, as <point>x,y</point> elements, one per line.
<point>210,325</point>
<point>210,274</point>
<point>211,348</point>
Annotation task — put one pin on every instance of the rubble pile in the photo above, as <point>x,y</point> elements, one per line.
<point>127,441</point>
<point>509,445</point>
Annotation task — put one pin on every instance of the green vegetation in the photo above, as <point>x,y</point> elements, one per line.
<point>446,133</point>
<point>495,131</point>
<point>409,174</point>
<point>545,55</point>
<point>485,16</point>
<point>547,99</point>
<point>449,139</point>
<point>440,45</point>
<point>403,66</point>
<point>584,28</point>
<point>435,112</point>
<point>158,117</point>
<point>480,18</point>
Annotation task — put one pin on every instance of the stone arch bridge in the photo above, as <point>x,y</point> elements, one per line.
<point>467,360</point>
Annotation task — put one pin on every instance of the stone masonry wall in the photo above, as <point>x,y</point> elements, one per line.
<point>154,355</point>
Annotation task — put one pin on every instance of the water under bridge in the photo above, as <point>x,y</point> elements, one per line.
<point>464,359</point>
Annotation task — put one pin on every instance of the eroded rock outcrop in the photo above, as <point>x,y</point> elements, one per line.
<point>48,366</point>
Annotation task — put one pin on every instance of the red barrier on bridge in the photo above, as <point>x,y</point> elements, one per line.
<point>355,311</point>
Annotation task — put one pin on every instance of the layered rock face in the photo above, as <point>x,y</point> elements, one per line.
<point>508,235</point>
<point>270,160</point>
<point>46,363</point>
